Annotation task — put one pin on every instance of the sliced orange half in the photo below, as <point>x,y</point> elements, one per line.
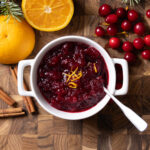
<point>48,15</point>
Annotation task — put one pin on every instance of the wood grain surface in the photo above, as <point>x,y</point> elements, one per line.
<point>109,129</point>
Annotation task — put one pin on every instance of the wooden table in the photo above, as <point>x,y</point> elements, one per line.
<point>108,130</point>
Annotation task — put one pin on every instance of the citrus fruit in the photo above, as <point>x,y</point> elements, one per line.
<point>17,40</point>
<point>48,15</point>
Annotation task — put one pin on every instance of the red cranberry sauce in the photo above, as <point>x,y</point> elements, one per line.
<point>71,76</point>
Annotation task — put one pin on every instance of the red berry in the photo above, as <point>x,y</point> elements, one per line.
<point>99,31</point>
<point>112,30</point>
<point>112,18</point>
<point>114,42</point>
<point>126,25</point>
<point>148,13</point>
<point>146,54</point>
<point>132,15</point>
<point>138,43</point>
<point>121,12</point>
<point>104,10</point>
<point>130,57</point>
<point>127,46</point>
<point>139,28</point>
<point>147,40</point>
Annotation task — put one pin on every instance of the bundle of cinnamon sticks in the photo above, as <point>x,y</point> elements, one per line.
<point>15,111</point>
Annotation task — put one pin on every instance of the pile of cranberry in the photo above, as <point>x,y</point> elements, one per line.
<point>126,20</point>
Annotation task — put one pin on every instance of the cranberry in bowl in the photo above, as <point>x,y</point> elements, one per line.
<point>68,75</point>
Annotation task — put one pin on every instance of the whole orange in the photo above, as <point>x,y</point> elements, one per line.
<point>17,40</point>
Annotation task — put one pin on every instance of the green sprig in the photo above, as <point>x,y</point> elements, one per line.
<point>10,8</point>
<point>131,2</point>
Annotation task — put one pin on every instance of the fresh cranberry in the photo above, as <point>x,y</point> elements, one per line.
<point>148,13</point>
<point>112,18</point>
<point>127,46</point>
<point>138,43</point>
<point>147,40</point>
<point>112,30</point>
<point>130,57</point>
<point>132,15</point>
<point>146,54</point>
<point>121,12</point>
<point>114,42</point>
<point>99,31</point>
<point>104,10</point>
<point>139,28</point>
<point>126,25</point>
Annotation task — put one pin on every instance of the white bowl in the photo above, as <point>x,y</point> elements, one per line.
<point>34,63</point>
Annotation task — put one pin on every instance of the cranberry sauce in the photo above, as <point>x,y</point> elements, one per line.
<point>71,76</point>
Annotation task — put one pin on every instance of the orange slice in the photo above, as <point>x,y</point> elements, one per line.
<point>48,15</point>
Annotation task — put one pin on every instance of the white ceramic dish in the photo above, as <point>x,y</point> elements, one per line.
<point>34,63</point>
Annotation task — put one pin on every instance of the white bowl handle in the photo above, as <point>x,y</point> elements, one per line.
<point>22,64</point>
<point>125,81</point>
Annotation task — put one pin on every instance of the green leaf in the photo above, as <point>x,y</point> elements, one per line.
<point>10,8</point>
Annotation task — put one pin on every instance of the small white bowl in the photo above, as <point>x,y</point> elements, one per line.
<point>34,63</point>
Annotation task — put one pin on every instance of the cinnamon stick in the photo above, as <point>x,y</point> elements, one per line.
<point>31,105</point>
<point>12,114</point>
<point>6,98</point>
<point>26,103</point>
<point>27,100</point>
<point>14,74</point>
<point>11,110</point>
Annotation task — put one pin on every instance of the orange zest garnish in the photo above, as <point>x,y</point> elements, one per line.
<point>95,69</point>
<point>72,85</point>
<point>73,76</point>
<point>77,77</point>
